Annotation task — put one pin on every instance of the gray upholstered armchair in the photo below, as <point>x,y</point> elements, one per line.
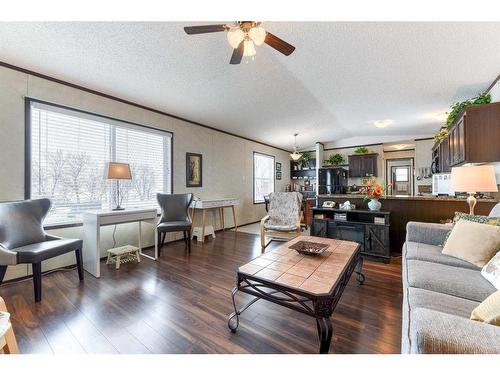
<point>283,220</point>
<point>23,239</point>
<point>174,217</point>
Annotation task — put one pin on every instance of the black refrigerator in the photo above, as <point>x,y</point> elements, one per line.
<point>332,181</point>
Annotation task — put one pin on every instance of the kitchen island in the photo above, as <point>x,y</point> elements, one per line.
<point>403,209</point>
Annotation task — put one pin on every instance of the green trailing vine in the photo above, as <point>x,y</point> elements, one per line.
<point>443,133</point>
<point>459,106</point>
<point>456,108</point>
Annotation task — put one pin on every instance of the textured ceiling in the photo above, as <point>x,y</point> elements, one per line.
<point>341,77</point>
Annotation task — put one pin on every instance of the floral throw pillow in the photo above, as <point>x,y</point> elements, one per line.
<point>475,218</point>
<point>491,271</point>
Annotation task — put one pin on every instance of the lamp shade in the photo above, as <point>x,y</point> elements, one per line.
<point>473,179</point>
<point>118,171</point>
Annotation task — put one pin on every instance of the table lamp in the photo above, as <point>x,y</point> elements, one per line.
<point>118,171</point>
<point>473,179</point>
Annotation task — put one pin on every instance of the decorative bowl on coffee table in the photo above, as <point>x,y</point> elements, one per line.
<point>309,247</point>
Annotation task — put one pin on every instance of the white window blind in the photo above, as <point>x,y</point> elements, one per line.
<point>69,151</point>
<point>263,176</point>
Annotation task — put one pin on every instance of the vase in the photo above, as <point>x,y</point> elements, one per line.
<point>374,205</point>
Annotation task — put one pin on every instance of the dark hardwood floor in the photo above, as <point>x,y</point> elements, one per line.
<point>180,304</point>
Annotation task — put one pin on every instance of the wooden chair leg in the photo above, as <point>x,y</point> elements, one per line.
<point>11,343</point>
<point>37,280</point>
<point>79,264</point>
<point>189,243</point>
<point>3,270</point>
<point>185,237</point>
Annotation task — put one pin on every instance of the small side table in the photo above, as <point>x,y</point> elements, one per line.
<point>123,254</point>
<point>8,343</point>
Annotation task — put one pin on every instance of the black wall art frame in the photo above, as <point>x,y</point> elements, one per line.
<point>194,170</point>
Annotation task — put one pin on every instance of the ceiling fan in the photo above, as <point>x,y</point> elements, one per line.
<point>243,36</point>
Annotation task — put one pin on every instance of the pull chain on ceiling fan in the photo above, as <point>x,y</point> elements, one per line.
<point>243,36</point>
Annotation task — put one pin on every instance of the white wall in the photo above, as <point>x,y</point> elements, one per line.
<point>423,159</point>
<point>227,160</point>
<point>495,92</point>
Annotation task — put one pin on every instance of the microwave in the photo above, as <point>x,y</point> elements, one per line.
<point>441,184</point>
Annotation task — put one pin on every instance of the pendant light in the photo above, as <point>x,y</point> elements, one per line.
<point>295,155</point>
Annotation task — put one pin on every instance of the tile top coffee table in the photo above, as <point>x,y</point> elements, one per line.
<point>311,284</point>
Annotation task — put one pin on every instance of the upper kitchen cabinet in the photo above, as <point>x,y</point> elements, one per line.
<point>363,165</point>
<point>475,135</point>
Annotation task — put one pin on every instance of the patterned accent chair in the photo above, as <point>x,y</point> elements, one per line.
<point>283,220</point>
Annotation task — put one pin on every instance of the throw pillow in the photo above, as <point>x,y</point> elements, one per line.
<point>473,242</point>
<point>475,218</point>
<point>489,310</point>
<point>491,271</point>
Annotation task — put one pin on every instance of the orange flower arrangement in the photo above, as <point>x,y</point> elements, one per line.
<point>372,189</point>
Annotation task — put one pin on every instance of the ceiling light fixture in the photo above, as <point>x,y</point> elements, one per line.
<point>383,123</point>
<point>399,147</point>
<point>295,155</point>
<point>250,36</point>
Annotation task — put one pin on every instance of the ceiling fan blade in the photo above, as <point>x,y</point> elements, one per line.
<point>279,44</point>
<point>237,54</point>
<point>204,29</point>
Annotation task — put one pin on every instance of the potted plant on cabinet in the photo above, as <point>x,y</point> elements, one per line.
<point>372,191</point>
<point>335,159</point>
<point>306,159</point>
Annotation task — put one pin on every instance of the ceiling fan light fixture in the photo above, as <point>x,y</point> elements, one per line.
<point>235,37</point>
<point>258,35</point>
<point>249,48</point>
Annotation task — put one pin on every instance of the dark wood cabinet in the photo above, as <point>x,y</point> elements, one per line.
<point>443,154</point>
<point>456,141</point>
<point>359,226</point>
<point>473,138</point>
<point>363,165</point>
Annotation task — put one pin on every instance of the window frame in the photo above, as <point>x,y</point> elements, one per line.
<point>253,175</point>
<point>27,147</point>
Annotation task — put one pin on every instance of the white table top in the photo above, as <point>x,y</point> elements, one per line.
<point>132,210</point>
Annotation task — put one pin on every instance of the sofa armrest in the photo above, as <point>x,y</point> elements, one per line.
<point>7,257</point>
<point>428,233</point>
<point>436,332</point>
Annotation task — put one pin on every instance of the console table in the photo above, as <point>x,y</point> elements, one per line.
<point>358,225</point>
<point>205,205</point>
<point>94,220</point>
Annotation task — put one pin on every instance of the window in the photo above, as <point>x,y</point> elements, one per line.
<point>402,174</point>
<point>263,176</point>
<point>68,153</point>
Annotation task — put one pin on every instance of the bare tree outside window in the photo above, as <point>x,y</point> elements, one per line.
<point>69,151</point>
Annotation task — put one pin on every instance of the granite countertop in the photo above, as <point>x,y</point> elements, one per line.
<point>403,197</point>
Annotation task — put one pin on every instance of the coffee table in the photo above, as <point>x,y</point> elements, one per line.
<point>310,284</point>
